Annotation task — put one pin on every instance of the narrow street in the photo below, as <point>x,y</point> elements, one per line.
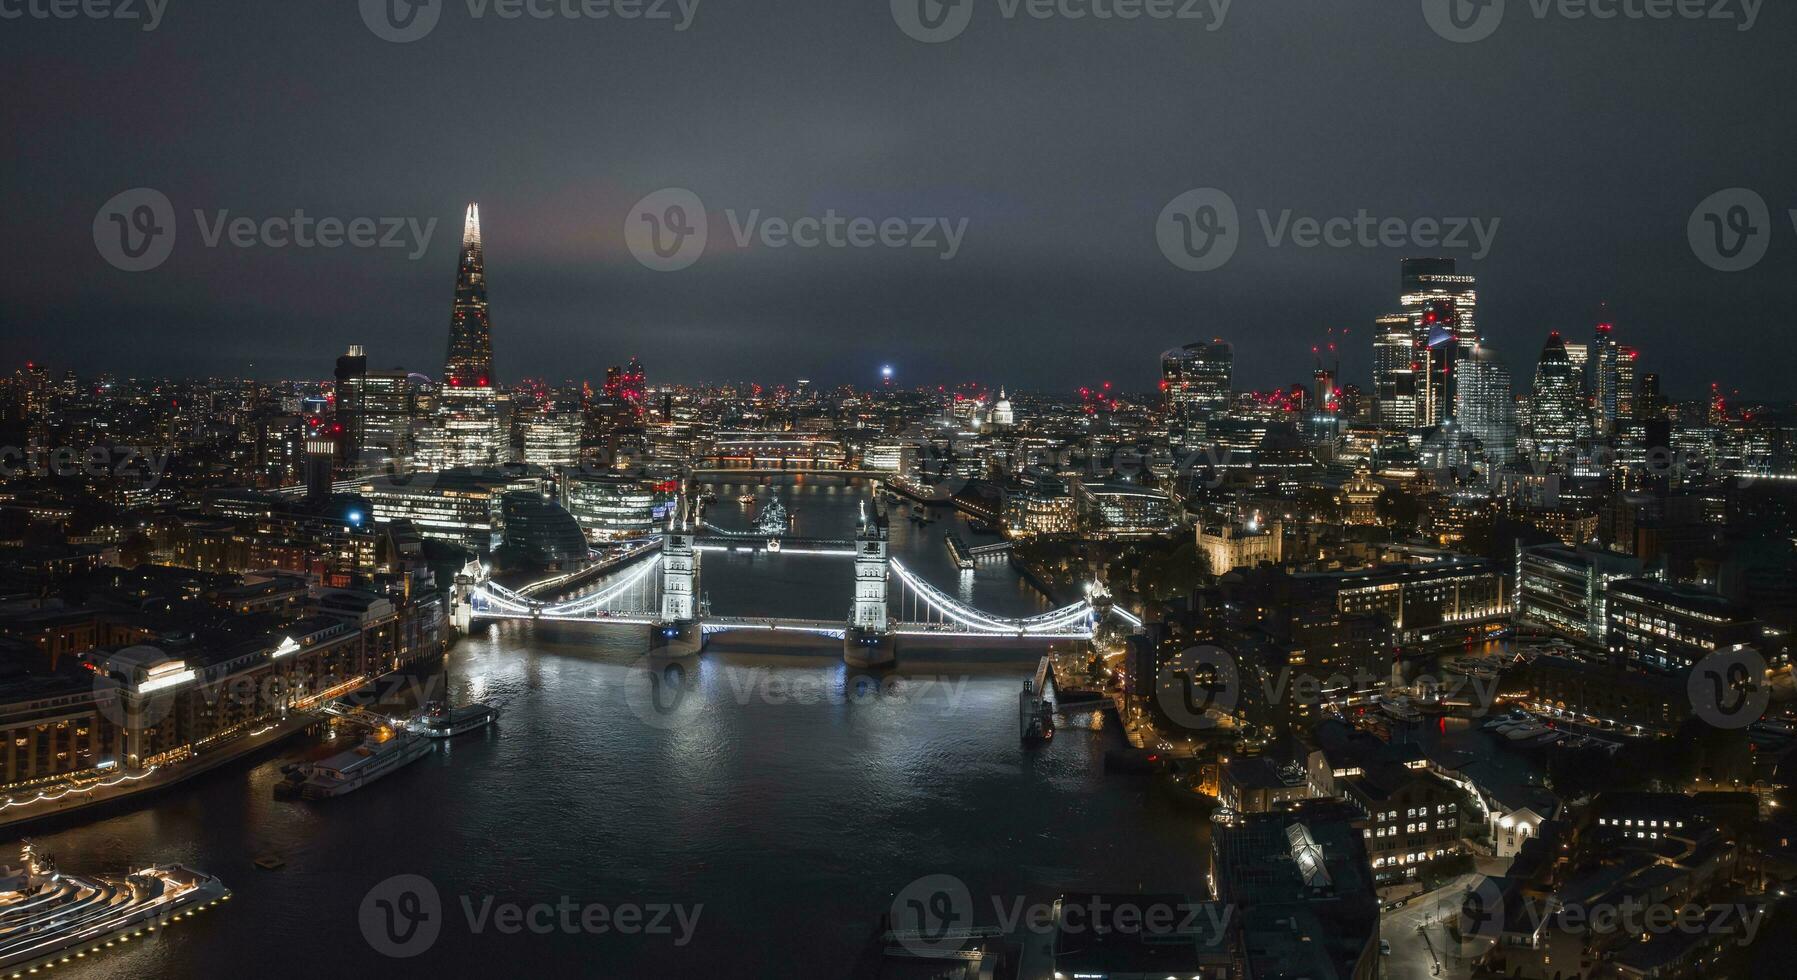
<point>1416,953</point>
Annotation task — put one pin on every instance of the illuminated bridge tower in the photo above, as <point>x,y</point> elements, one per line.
<point>868,642</point>
<point>678,632</point>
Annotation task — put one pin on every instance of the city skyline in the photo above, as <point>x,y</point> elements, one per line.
<point>470,358</point>
<point>1059,242</point>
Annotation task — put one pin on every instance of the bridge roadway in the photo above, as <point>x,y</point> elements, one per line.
<point>713,625</point>
<point>789,544</point>
<point>716,471</point>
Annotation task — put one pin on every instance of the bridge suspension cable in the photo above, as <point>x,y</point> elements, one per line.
<point>1056,620</point>
<point>588,603</point>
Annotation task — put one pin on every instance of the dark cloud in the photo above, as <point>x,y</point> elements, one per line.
<point>1057,141</point>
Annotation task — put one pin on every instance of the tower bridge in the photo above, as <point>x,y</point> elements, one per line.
<point>661,593</point>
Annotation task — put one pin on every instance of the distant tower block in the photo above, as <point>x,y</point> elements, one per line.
<point>868,642</point>
<point>678,633</point>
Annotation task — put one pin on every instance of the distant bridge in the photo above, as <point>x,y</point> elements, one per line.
<point>680,620</point>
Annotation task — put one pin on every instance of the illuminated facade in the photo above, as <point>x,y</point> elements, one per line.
<point>1565,589</point>
<point>466,430</point>
<point>1230,546</point>
<point>1040,504</point>
<point>470,360</point>
<point>1427,604</point>
<point>553,439</point>
<point>613,507</point>
<point>1442,309</point>
<point>1668,627</point>
<point>1394,374</point>
<point>1195,386</point>
<point>1122,509</point>
<point>1555,410</point>
<point>1359,499</point>
<point>462,506</point>
<point>1485,405</point>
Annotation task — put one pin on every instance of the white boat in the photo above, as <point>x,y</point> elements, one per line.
<point>1399,708</point>
<point>441,721</point>
<point>1533,729</point>
<point>1502,722</point>
<point>49,917</point>
<point>349,771</point>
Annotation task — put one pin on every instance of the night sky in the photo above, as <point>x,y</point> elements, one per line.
<point>1059,141</point>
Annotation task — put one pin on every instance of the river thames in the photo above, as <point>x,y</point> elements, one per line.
<point>766,823</point>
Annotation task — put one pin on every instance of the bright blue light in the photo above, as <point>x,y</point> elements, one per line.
<point>355,517</point>
<point>886,372</point>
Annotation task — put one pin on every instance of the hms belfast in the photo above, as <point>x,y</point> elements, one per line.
<point>48,917</point>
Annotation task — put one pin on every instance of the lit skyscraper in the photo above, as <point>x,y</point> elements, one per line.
<point>470,361</point>
<point>351,373</point>
<point>466,431</point>
<point>1484,404</point>
<point>1626,393</point>
<point>1394,371</point>
<point>552,439</point>
<point>1195,387</point>
<point>1609,398</point>
<point>1442,307</point>
<point>1556,410</point>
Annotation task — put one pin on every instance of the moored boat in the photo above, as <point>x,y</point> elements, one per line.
<point>441,721</point>
<point>49,917</point>
<point>346,772</point>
